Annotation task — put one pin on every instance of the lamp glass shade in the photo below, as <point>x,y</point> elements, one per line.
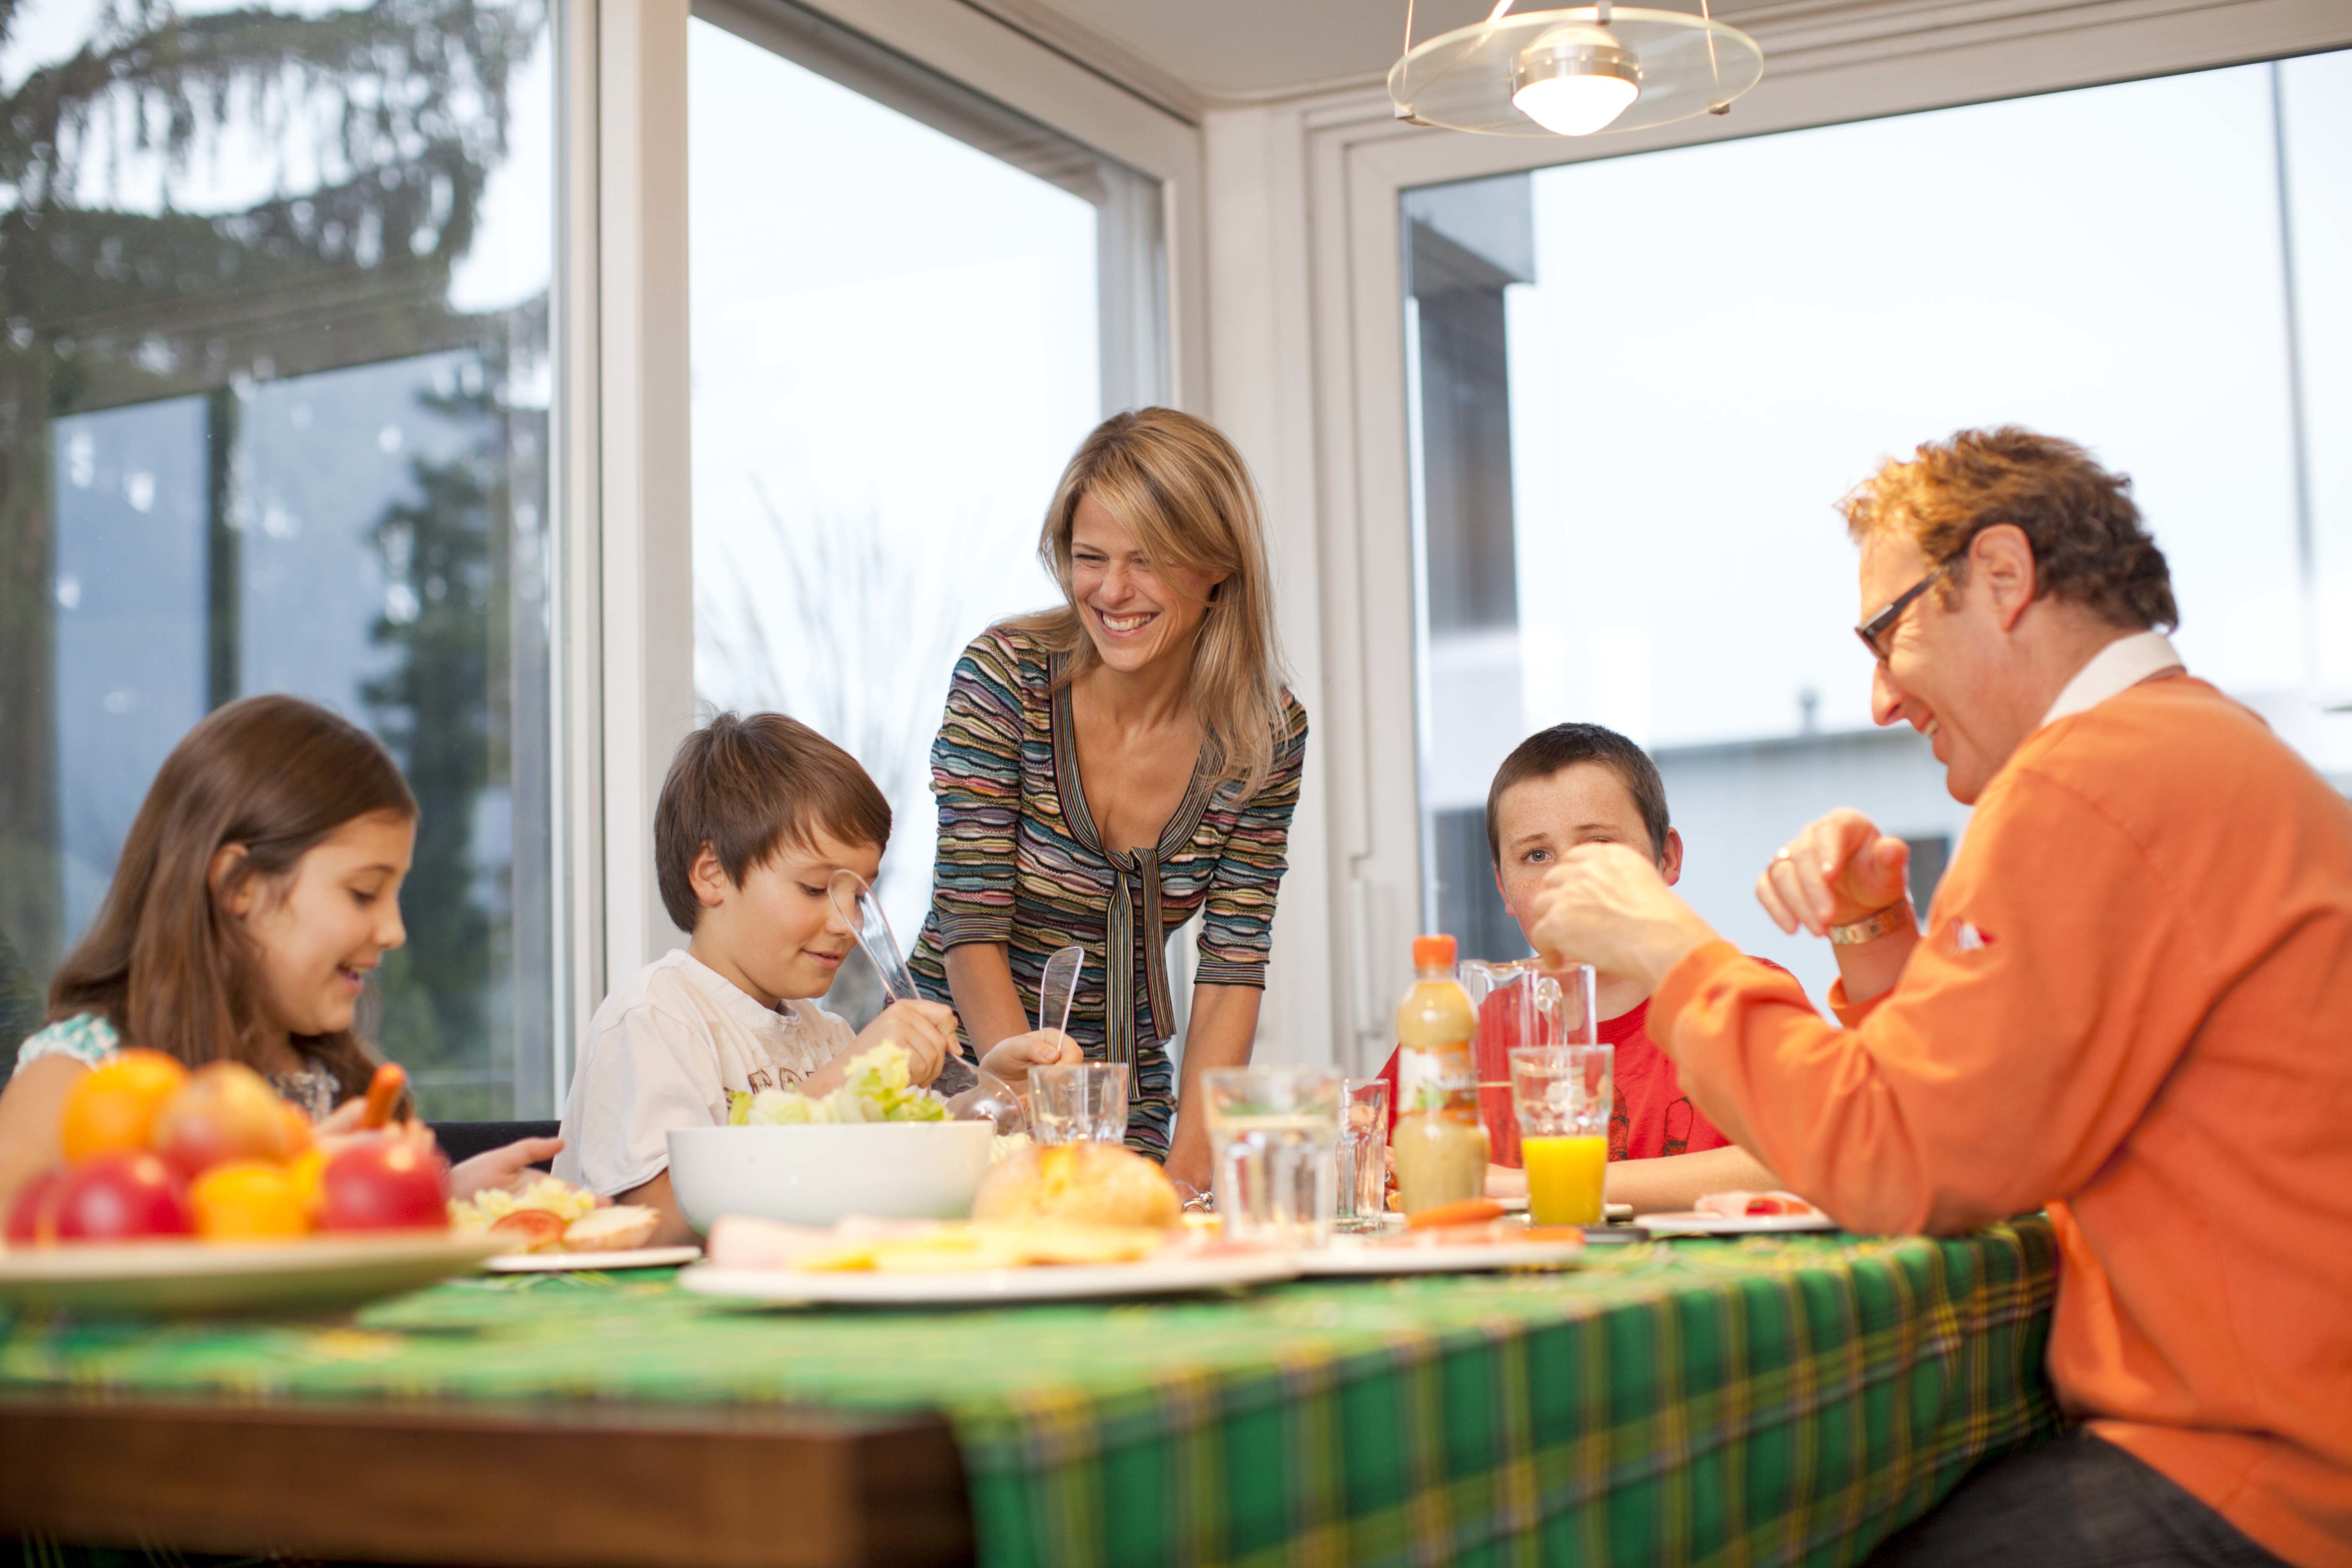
<point>1575,105</point>
<point>1477,77</point>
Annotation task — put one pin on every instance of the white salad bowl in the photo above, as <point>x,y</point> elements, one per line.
<point>817,1172</point>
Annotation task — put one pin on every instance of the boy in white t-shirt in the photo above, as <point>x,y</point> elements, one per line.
<point>755,817</point>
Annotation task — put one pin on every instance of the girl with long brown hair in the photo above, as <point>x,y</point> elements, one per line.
<point>1107,768</point>
<point>258,887</point>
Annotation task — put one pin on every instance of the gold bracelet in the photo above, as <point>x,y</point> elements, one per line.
<point>1870,928</point>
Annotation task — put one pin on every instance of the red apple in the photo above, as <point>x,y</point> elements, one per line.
<point>32,1218</point>
<point>384,1184</point>
<point>228,1111</point>
<point>122,1197</point>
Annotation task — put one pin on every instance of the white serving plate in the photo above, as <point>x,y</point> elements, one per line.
<point>1693,1223</point>
<point>815,1174</point>
<point>186,1279</point>
<point>568,1262</point>
<point>986,1287</point>
<point>1349,1254</point>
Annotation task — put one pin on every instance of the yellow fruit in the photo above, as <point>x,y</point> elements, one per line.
<point>248,1200</point>
<point>111,1109</point>
<point>304,1173</point>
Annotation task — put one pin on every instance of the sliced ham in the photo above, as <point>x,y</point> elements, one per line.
<point>1742,1205</point>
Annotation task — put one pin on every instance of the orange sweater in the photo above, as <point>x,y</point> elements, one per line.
<point>2133,1004</point>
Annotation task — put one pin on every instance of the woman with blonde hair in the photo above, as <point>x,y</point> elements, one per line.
<point>1109,767</point>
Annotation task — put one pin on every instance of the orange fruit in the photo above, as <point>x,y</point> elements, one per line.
<point>111,1109</point>
<point>248,1200</point>
<point>300,1136</point>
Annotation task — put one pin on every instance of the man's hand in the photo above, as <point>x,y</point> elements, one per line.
<point>1838,870</point>
<point>1012,1060</point>
<point>1606,906</point>
<point>926,1028</point>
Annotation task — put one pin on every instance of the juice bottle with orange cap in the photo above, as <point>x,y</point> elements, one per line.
<point>1439,1149</point>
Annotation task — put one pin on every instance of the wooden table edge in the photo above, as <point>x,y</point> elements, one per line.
<point>543,1484</point>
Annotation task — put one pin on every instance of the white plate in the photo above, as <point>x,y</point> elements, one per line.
<point>566,1262</point>
<point>1349,1254</point>
<point>168,1279</point>
<point>981,1286</point>
<point>1692,1222</point>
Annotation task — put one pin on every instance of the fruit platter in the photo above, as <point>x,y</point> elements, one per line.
<point>205,1192</point>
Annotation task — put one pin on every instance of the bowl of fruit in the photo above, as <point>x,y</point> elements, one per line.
<point>205,1192</point>
<point>879,1145</point>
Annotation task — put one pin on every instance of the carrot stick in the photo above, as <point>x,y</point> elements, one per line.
<point>1469,1211</point>
<point>382,1093</point>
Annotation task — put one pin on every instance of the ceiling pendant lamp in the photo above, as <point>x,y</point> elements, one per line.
<point>1573,72</point>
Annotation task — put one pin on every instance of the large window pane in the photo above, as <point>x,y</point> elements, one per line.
<point>898,340</point>
<point>274,411</point>
<point>1703,348</point>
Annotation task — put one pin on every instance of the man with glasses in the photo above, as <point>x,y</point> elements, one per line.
<point>2130,1003</point>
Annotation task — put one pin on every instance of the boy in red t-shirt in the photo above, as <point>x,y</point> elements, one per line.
<point>1581,783</point>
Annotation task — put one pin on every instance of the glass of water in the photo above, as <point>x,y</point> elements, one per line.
<point>1084,1102</point>
<point>1271,1130</point>
<point>1363,1154</point>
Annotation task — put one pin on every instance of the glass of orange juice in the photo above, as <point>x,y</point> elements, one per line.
<point>1563,1095</point>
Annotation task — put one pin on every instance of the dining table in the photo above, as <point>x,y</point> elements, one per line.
<point>1768,1399</point>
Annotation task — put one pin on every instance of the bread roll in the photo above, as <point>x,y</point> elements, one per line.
<point>623,1228</point>
<point>1088,1184</point>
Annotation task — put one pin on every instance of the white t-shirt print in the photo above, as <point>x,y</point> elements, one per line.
<point>663,1051</point>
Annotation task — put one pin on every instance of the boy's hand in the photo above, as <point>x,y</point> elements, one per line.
<point>508,1168</point>
<point>926,1028</point>
<point>1010,1059</point>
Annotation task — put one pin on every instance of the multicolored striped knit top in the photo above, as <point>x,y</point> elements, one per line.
<point>1021,864</point>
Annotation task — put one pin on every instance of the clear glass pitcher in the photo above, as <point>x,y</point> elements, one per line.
<point>1520,1003</point>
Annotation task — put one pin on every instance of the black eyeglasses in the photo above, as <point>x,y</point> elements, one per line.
<point>1872,630</point>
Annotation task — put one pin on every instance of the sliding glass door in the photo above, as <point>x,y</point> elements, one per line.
<point>275,392</point>
<point>1640,383</point>
<point>909,305</point>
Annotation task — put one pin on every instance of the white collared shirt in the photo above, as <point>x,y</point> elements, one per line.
<point>663,1051</point>
<point>2116,667</point>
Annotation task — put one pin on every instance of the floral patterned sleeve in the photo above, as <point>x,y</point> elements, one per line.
<point>86,1037</point>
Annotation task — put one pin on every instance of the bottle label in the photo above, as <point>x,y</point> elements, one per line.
<point>1436,1081</point>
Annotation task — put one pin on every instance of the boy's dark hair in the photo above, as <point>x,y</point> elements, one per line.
<point>1547,752</point>
<point>745,784</point>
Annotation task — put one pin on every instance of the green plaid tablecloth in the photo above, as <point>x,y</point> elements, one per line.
<point>1774,1400</point>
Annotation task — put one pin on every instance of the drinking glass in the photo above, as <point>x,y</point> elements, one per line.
<point>1563,1095</point>
<point>1083,1102</point>
<point>1271,1130</point>
<point>1362,1154</point>
<point>1520,1003</point>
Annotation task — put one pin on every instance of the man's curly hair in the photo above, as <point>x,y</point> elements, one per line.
<point>2089,546</point>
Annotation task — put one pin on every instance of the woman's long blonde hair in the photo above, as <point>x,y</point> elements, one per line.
<point>1180,487</point>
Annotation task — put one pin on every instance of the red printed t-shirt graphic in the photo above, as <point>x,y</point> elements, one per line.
<point>1653,1116</point>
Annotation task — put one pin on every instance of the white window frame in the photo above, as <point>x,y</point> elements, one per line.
<point>627,659</point>
<point>1307,350</point>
